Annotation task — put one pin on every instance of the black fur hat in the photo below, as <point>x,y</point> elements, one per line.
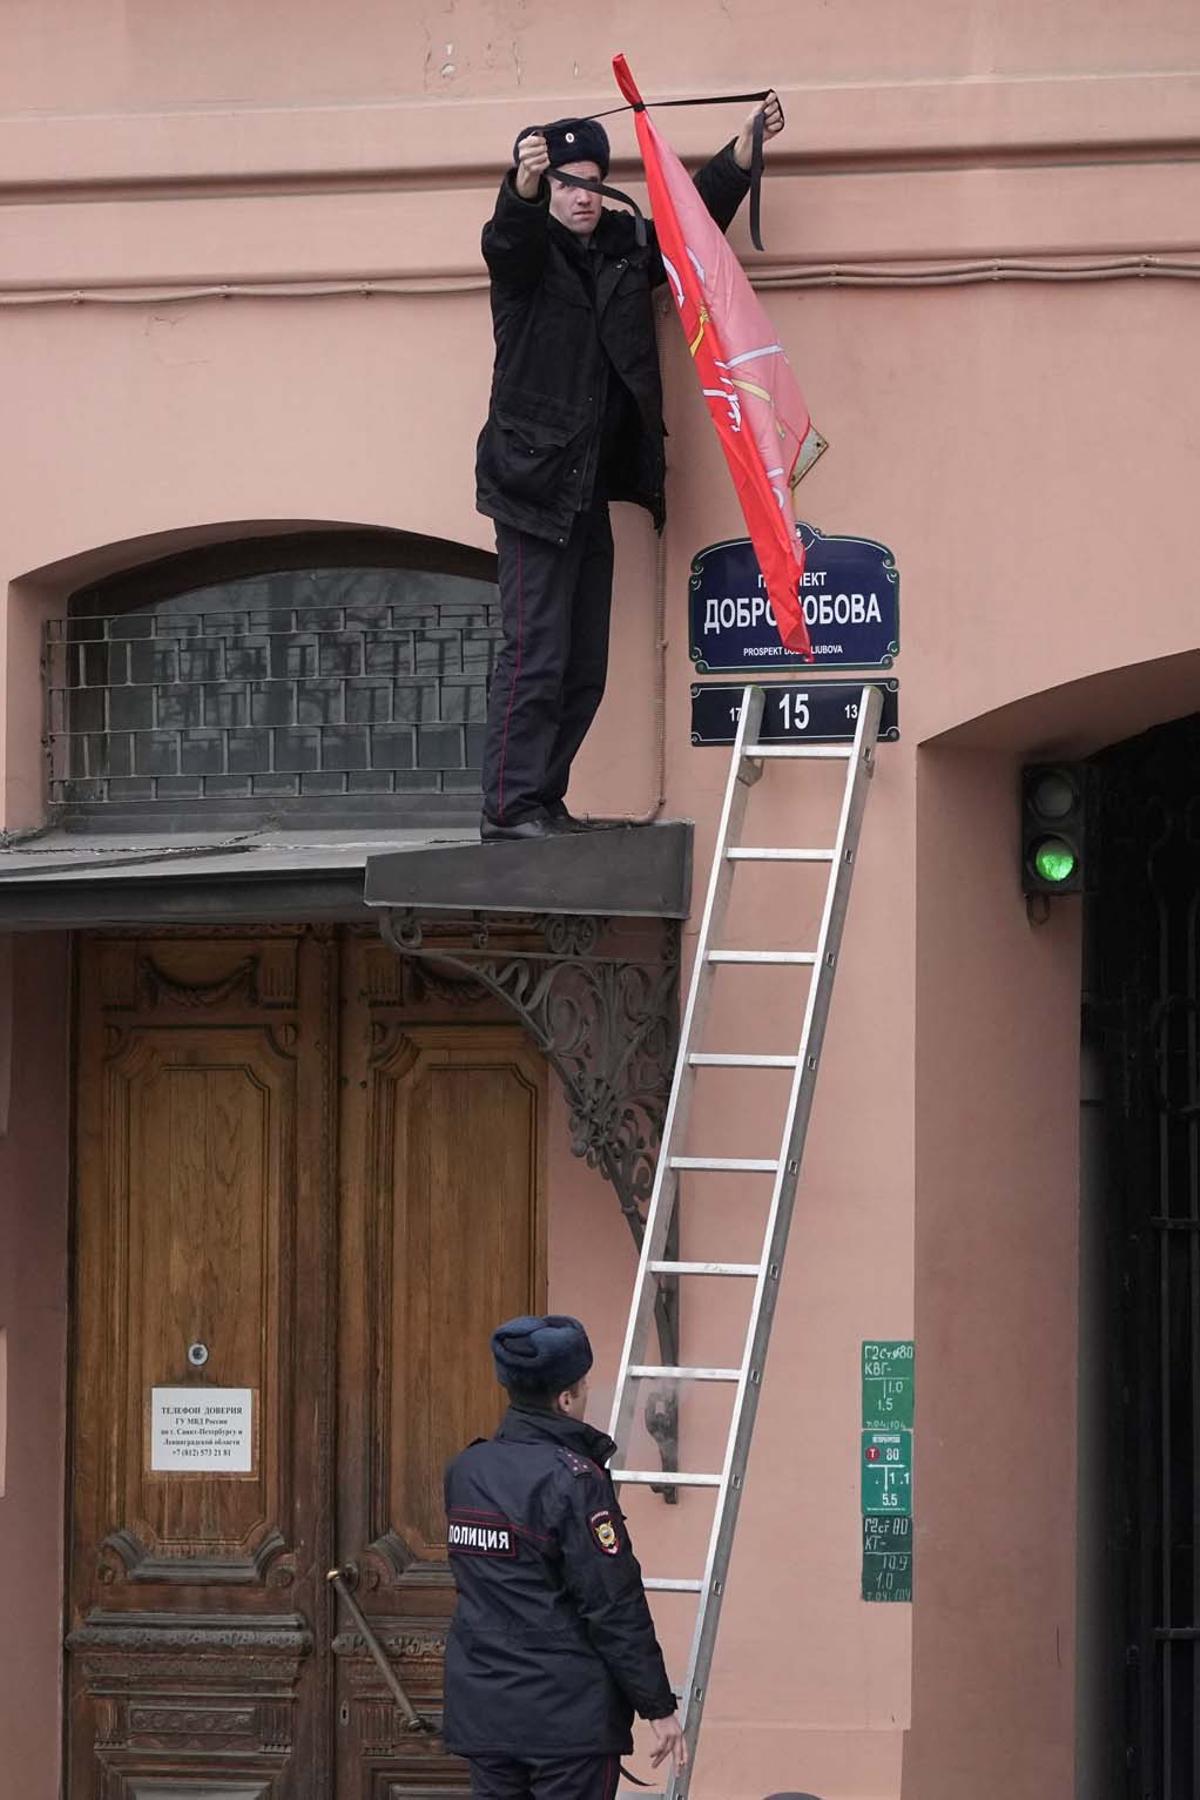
<point>551,1352</point>
<point>572,141</point>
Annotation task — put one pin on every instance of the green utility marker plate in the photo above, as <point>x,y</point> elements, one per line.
<point>887,1384</point>
<point>887,1559</point>
<point>887,1472</point>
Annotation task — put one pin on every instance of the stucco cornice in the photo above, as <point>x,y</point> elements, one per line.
<point>970,119</point>
<point>428,241</point>
<point>1050,167</point>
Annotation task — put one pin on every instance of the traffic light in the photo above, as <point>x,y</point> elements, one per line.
<point>1052,824</point>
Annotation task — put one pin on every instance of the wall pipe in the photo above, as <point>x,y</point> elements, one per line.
<point>1142,265</point>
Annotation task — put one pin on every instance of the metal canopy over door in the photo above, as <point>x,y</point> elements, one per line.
<point>284,1261</point>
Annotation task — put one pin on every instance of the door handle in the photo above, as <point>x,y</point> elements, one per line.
<point>412,1718</point>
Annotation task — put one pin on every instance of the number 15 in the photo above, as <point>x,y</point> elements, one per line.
<point>794,708</point>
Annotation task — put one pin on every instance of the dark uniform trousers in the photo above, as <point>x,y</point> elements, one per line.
<point>555,602</point>
<point>562,1778</point>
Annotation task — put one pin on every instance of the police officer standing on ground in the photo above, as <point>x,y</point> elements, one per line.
<point>575,421</point>
<point>552,1649</point>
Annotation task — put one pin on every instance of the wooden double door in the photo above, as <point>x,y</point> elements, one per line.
<point>307,1181</point>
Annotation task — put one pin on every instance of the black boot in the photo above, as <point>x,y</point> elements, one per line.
<point>529,830</point>
<point>561,820</point>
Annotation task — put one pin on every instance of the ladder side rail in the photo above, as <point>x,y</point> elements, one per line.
<point>664,1190</point>
<point>782,1204</point>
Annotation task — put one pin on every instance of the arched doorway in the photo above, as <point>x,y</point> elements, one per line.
<point>1019,1634</point>
<point>282,1249</point>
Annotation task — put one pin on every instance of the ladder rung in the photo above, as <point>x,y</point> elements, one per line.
<point>664,1478</point>
<point>807,957</point>
<point>729,1059</point>
<point>807,752</point>
<point>732,1165</point>
<point>703,1268</point>
<point>801,856</point>
<point>661,1584</point>
<point>676,1372</point>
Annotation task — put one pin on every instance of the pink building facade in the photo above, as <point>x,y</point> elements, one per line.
<point>242,303</point>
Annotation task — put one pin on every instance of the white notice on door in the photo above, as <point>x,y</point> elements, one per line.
<point>202,1431</point>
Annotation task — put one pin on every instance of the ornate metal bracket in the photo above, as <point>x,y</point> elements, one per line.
<point>600,999</point>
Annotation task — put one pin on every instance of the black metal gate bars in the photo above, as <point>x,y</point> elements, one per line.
<point>1142,1002</point>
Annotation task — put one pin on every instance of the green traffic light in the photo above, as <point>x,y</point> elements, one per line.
<point>1055,861</point>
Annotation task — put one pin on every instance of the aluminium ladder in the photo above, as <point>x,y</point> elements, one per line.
<point>783,1165</point>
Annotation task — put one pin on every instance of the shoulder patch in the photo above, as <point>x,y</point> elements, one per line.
<point>479,1534</point>
<point>578,1465</point>
<point>605,1534</point>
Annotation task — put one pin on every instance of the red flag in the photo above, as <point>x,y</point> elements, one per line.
<point>753,398</point>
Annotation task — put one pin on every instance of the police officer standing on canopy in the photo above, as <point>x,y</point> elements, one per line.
<point>575,421</point>
<point>552,1648</point>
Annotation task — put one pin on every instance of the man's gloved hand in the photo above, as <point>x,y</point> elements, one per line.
<point>533,159</point>
<point>670,1742</point>
<point>772,125</point>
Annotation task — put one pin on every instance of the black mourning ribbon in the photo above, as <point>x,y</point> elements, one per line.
<point>756,175</point>
<point>756,163</point>
<point>610,193</point>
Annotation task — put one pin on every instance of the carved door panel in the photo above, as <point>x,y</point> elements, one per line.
<point>441,1236</point>
<point>197,1649</point>
<point>213,1271</point>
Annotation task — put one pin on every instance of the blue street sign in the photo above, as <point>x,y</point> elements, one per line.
<point>851,596</point>
<point>818,712</point>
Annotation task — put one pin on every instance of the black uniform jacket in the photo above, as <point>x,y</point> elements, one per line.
<point>552,1647</point>
<point>563,315</point>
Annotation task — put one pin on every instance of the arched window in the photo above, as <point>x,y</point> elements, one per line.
<point>338,673</point>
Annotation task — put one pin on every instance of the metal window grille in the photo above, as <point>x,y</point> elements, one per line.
<point>313,685</point>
